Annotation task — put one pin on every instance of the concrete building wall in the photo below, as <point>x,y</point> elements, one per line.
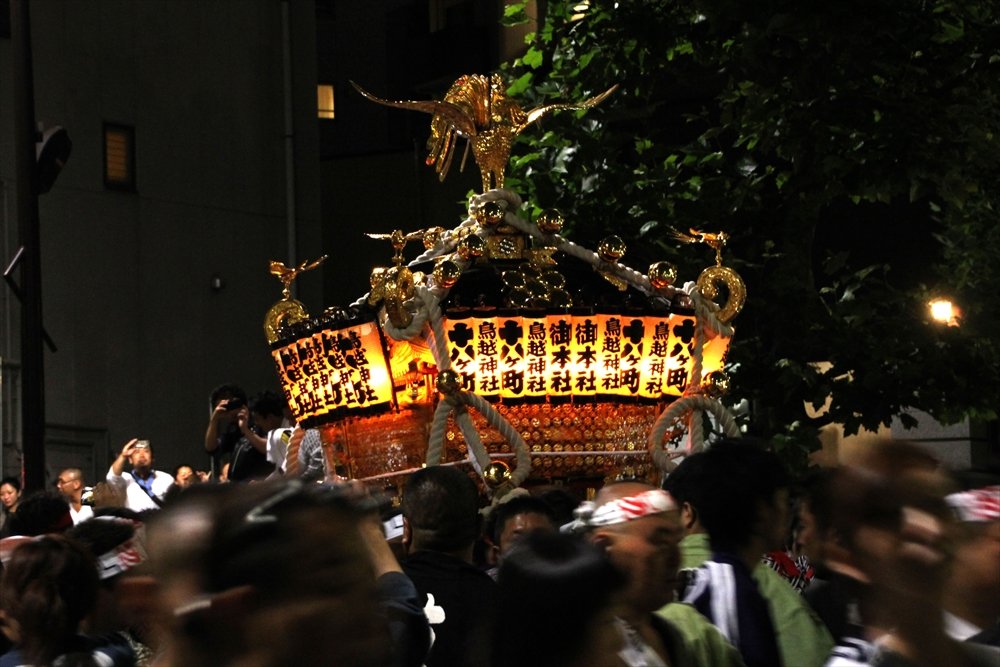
<point>127,277</point>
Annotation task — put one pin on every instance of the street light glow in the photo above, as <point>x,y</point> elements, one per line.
<point>944,311</point>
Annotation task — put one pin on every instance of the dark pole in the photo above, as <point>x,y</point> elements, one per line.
<point>32,361</point>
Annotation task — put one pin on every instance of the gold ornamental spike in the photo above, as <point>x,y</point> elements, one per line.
<point>398,240</point>
<point>288,311</point>
<point>395,286</point>
<point>716,241</point>
<point>288,275</point>
<point>477,107</point>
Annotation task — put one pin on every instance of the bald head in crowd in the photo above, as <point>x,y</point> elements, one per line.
<point>644,547</point>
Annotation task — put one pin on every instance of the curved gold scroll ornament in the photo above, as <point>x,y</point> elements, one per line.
<point>708,285</point>
<point>710,278</point>
<point>396,290</point>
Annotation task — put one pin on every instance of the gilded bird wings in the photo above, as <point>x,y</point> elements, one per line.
<point>539,112</point>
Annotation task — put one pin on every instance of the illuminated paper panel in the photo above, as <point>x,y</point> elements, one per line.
<point>641,356</point>
<point>609,350</point>
<point>333,371</point>
<point>656,340</point>
<point>559,342</point>
<point>714,354</point>
<point>511,335</point>
<point>633,334</point>
<point>487,355</point>
<point>536,356</point>
<point>682,329</point>
<point>585,349</point>
<point>460,334</point>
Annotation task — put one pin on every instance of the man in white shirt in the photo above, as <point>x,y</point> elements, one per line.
<point>70,485</point>
<point>143,486</point>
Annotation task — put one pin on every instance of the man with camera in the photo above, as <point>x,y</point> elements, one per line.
<point>237,431</point>
<point>143,487</point>
<point>69,483</point>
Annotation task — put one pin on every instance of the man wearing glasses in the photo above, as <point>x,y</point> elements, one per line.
<point>70,485</point>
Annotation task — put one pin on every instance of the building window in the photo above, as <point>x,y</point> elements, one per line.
<point>119,157</point>
<point>324,101</point>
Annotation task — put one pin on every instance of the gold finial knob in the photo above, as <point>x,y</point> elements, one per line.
<point>448,382</point>
<point>611,249</point>
<point>447,273</point>
<point>716,384</point>
<point>496,473</point>
<point>431,236</point>
<point>550,221</point>
<point>662,275</point>
<point>489,214</point>
<point>471,247</point>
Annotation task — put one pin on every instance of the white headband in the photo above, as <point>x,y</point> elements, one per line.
<point>126,555</point>
<point>621,510</point>
<point>977,505</point>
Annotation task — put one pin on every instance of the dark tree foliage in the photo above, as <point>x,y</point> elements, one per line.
<point>850,149</point>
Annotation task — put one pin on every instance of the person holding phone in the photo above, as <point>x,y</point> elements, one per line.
<point>143,487</point>
<point>237,431</point>
<point>265,413</point>
<point>226,403</point>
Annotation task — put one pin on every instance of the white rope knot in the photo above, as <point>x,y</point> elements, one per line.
<point>508,199</point>
<point>412,330</point>
<point>677,410</point>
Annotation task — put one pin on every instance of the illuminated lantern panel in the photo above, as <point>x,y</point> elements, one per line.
<point>713,354</point>
<point>563,356</point>
<point>536,358</point>
<point>560,367</point>
<point>512,356</point>
<point>486,352</point>
<point>583,390</point>
<point>334,372</point>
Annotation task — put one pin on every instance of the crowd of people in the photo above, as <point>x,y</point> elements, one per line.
<point>890,559</point>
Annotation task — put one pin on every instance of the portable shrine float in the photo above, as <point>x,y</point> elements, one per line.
<point>504,344</point>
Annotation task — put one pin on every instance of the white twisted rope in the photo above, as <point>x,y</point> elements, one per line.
<point>693,404</point>
<point>695,431</point>
<point>406,333</point>
<point>706,311</point>
<point>456,402</point>
<point>676,410</point>
<point>432,305</point>
<point>509,433</point>
<point>629,275</point>
<point>507,199</point>
<point>478,455</point>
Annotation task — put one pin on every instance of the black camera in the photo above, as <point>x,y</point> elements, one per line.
<point>234,404</point>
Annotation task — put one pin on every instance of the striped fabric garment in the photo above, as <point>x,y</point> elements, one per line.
<point>724,591</point>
